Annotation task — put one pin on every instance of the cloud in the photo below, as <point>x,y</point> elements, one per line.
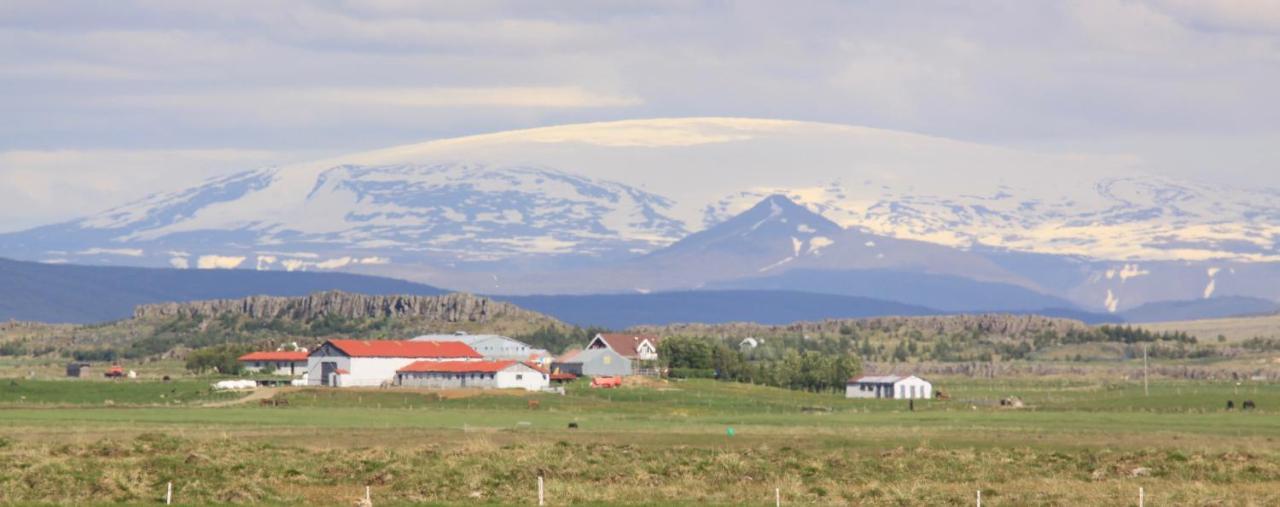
<point>44,186</point>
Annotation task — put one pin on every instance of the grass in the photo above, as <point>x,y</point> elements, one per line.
<point>1079,442</point>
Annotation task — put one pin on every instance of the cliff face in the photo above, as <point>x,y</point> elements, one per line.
<point>452,308</point>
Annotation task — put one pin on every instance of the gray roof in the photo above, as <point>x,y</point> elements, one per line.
<point>590,355</point>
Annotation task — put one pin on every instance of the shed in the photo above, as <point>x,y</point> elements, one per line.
<point>508,374</point>
<point>889,386</point>
<point>595,362</point>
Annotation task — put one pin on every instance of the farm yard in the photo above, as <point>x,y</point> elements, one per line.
<point>652,442</point>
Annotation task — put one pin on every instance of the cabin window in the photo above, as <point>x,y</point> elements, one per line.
<point>519,376</point>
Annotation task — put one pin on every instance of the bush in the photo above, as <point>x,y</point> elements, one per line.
<point>692,373</point>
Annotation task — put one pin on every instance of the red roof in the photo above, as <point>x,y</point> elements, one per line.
<point>456,367</point>
<point>625,344</point>
<point>563,376</point>
<point>404,348</point>
<point>292,357</point>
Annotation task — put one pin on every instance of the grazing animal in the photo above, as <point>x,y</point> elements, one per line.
<point>911,405</point>
<point>266,402</point>
<point>1231,405</point>
<point>534,404</point>
<point>573,425</point>
<point>1248,405</point>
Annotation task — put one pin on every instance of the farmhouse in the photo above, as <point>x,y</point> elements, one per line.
<point>508,374</point>
<point>889,386</point>
<point>640,350</point>
<point>276,363</point>
<point>350,363</point>
<point>494,347</point>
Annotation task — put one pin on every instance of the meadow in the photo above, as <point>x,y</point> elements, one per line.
<point>1076,441</point>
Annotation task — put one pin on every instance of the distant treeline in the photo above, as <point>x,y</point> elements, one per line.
<point>803,364</point>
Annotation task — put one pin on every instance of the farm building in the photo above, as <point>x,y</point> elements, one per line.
<point>641,350</point>
<point>889,386</point>
<point>509,374</point>
<point>594,362</point>
<point>351,363</point>
<point>495,347</point>
<point>276,363</point>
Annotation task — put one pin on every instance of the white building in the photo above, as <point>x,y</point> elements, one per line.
<point>508,374</point>
<point>495,347</point>
<point>889,386</point>
<point>293,363</point>
<point>352,363</point>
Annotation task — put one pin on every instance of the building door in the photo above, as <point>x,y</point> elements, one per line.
<point>327,369</point>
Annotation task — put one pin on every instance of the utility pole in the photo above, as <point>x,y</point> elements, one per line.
<point>1146,389</point>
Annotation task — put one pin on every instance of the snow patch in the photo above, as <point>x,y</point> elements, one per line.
<point>265,262</point>
<point>774,211</point>
<point>180,262</point>
<point>1208,289</point>
<point>1126,272</point>
<point>219,262</point>
<point>795,246</point>
<point>870,244</point>
<point>776,264</point>
<point>818,243</point>
<point>1112,302</point>
<point>127,252</point>
<point>802,228</point>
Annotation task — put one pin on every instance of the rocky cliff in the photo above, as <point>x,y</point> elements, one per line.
<point>449,308</point>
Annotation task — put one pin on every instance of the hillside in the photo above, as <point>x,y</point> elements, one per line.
<point>32,291</point>
<point>172,327</point>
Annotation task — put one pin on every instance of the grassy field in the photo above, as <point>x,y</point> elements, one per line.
<point>1077,442</point>
<point>1233,329</point>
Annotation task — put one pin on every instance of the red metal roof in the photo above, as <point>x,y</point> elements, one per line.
<point>456,367</point>
<point>404,348</point>
<point>625,344</point>
<point>292,357</point>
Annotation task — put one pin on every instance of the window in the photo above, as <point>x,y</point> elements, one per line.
<point>519,376</point>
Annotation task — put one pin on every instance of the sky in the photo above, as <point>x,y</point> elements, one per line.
<point>106,101</point>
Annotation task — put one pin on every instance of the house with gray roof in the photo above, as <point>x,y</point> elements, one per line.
<point>889,387</point>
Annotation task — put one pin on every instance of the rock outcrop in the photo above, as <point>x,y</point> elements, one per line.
<point>457,307</point>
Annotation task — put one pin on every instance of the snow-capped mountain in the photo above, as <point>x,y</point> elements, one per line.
<point>510,211</point>
<point>290,218</point>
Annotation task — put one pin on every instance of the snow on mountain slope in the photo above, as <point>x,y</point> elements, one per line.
<point>296,218</point>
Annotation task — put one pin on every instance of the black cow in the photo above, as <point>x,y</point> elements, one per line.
<point>1231,405</point>
<point>1248,405</point>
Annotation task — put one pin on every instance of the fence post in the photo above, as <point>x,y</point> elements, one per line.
<point>777,497</point>
<point>368,495</point>
<point>979,498</point>
<point>1142,497</point>
<point>168,494</point>
<point>541,495</point>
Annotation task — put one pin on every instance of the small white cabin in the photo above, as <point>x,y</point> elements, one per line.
<point>890,387</point>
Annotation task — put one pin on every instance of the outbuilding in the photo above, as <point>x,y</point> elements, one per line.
<point>508,374</point>
<point>595,362</point>
<point>353,363</point>
<point>889,386</point>
<point>494,347</point>
<point>291,363</point>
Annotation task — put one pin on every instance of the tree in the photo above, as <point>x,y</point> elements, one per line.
<point>220,359</point>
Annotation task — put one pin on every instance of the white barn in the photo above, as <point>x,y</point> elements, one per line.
<point>475,375</point>
<point>353,363</point>
<point>889,386</point>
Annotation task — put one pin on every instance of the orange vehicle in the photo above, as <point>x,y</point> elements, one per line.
<point>606,382</point>
<point>116,371</point>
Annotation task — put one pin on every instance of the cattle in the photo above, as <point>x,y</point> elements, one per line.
<point>1248,405</point>
<point>573,425</point>
<point>534,404</point>
<point>1231,405</point>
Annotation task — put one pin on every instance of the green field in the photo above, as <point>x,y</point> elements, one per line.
<point>1075,442</point>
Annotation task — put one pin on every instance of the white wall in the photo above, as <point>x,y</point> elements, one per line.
<point>275,367</point>
<point>530,379</point>
<point>313,367</point>
<point>912,388</point>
